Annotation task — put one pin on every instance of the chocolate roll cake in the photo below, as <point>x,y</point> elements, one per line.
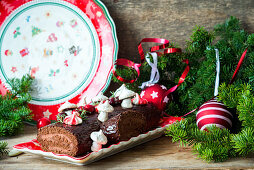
<point>67,139</point>
<point>121,125</point>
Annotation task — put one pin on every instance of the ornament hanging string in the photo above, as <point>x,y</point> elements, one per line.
<point>155,75</point>
<point>135,66</point>
<point>217,80</point>
<point>217,75</point>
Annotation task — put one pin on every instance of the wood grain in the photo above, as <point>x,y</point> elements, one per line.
<point>170,19</point>
<point>159,153</point>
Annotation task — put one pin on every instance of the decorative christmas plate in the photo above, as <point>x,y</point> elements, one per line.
<point>69,47</point>
<point>35,148</point>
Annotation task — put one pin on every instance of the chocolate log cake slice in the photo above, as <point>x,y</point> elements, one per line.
<point>122,125</point>
<point>126,123</point>
<point>67,139</point>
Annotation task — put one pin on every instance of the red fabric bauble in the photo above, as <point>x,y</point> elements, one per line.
<point>155,94</point>
<point>215,113</point>
<point>43,122</point>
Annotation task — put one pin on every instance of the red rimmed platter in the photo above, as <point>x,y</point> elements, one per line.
<point>69,47</point>
<point>33,147</point>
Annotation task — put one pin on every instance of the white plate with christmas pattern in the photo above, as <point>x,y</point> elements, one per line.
<point>69,47</point>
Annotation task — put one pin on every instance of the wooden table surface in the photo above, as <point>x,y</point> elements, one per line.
<point>169,19</point>
<point>160,153</point>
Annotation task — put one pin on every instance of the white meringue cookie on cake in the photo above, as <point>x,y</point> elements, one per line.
<point>68,112</point>
<point>73,119</point>
<point>99,137</point>
<point>67,105</point>
<point>126,93</point>
<point>119,90</point>
<point>103,109</point>
<point>126,103</point>
<point>103,116</point>
<point>135,100</point>
<point>96,147</point>
<point>100,97</point>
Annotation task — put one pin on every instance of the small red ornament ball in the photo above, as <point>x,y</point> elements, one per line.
<point>43,122</point>
<point>215,113</point>
<point>154,94</point>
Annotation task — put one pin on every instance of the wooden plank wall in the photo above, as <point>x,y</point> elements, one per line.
<point>171,19</point>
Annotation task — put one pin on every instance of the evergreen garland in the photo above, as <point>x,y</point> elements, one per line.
<point>231,41</point>
<point>13,106</point>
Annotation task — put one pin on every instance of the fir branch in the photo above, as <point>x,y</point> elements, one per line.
<point>3,148</point>
<point>231,41</point>
<point>13,106</point>
<point>243,142</point>
<point>211,145</point>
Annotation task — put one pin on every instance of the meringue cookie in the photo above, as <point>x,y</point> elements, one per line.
<point>67,105</point>
<point>68,112</point>
<point>126,93</point>
<point>73,119</point>
<point>99,137</point>
<point>99,97</point>
<point>96,147</point>
<point>137,100</point>
<point>119,90</point>
<point>126,103</point>
<point>103,109</point>
<point>103,116</point>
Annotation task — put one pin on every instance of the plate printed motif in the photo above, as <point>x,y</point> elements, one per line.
<point>68,48</point>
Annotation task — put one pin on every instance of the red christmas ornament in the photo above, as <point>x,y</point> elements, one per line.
<point>155,94</point>
<point>215,113</point>
<point>43,122</point>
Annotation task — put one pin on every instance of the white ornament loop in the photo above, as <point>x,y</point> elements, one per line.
<point>217,81</point>
<point>155,75</point>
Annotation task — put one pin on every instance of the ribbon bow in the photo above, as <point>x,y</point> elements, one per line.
<point>135,66</point>
<point>155,75</point>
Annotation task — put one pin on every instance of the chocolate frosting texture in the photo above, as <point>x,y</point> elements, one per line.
<point>121,125</point>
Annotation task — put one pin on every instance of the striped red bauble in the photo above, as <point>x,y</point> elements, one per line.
<point>215,113</point>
